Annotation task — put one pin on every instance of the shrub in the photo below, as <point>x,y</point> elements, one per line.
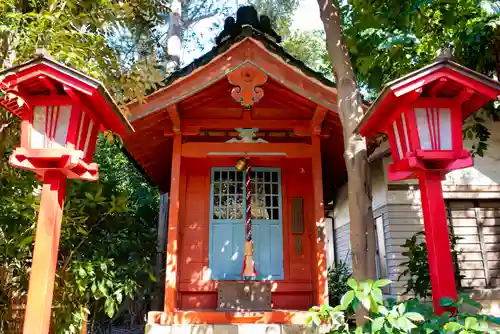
<point>417,266</point>
<point>337,282</point>
<point>411,316</point>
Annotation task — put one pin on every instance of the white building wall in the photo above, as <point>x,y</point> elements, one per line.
<point>398,203</point>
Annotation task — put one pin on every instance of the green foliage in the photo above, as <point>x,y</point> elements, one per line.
<point>337,282</point>
<point>108,233</point>
<point>309,47</point>
<point>389,317</point>
<point>389,38</point>
<point>417,266</point>
<point>87,35</point>
<point>107,245</point>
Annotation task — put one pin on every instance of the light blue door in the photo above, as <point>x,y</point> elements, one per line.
<point>227,227</point>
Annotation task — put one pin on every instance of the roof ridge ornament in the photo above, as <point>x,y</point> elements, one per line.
<point>445,53</point>
<point>247,16</point>
<point>247,79</point>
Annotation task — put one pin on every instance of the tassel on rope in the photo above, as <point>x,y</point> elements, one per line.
<point>248,262</point>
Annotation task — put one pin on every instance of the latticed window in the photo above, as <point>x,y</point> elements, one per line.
<point>229,195</point>
<point>227,223</point>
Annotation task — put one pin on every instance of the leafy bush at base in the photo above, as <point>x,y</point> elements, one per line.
<point>390,317</point>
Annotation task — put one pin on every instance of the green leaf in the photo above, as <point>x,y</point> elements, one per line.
<point>81,230</point>
<point>152,277</point>
<point>347,299</point>
<point>447,302</point>
<point>383,310</point>
<point>405,324</point>
<point>401,308</point>
<point>377,324</point>
<point>82,272</point>
<point>27,240</point>
<point>377,296</point>
<point>358,330</point>
<point>119,297</point>
<point>452,327</point>
<point>316,320</point>
<point>414,316</point>
<point>381,283</point>
<point>470,323</point>
<point>364,299</point>
<point>351,282</point>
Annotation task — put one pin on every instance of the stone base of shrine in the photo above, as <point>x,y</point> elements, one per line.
<point>287,317</point>
<point>212,322</point>
<point>231,329</point>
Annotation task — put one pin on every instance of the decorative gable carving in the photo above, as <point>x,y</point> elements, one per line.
<point>247,80</point>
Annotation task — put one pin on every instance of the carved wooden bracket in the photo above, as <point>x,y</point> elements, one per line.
<point>247,78</point>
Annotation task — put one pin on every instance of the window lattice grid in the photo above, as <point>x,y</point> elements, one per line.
<point>228,195</point>
<point>265,199</point>
<point>229,200</point>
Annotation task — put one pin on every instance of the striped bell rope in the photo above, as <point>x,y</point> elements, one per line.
<point>248,262</point>
<point>248,220</point>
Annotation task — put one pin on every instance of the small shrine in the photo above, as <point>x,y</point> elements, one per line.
<point>245,139</point>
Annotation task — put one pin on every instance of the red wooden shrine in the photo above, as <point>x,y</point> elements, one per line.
<point>422,115</point>
<point>248,99</point>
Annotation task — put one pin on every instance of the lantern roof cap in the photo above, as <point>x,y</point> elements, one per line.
<point>62,76</point>
<point>443,78</point>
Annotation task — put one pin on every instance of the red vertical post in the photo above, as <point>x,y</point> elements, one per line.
<point>173,246</point>
<point>320,283</point>
<point>43,268</point>
<point>437,238</point>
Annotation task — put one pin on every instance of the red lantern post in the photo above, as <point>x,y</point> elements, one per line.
<point>61,113</point>
<point>422,115</point>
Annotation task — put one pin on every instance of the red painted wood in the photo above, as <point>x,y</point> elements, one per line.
<point>203,149</point>
<point>437,239</point>
<point>296,288</point>
<point>43,268</point>
<point>319,231</point>
<point>218,68</point>
<point>173,230</point>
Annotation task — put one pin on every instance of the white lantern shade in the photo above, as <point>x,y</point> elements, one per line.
<point>434,128</point>
<point>50,126</point>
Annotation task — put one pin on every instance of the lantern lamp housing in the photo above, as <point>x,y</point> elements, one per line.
<point>422,115</point>
<point>61,113</point>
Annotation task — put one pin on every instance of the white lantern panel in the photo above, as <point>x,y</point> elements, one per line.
<point>398,140</point>
<point>405,131</point>
<point>84,133</point>
<point>50,126</point>
<point>37,135</point>
<point>445,129</point>
<point>434,128</point>
<point>87,139</point>
<point>62,114</point>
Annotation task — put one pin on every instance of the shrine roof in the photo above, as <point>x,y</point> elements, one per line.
<point>219,61</point>
<point>247,31</point>
<point>41,75</point>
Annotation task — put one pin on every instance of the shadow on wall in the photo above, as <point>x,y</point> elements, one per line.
<point>486,169</point>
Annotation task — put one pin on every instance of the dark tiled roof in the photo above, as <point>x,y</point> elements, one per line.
<point>247,31</point>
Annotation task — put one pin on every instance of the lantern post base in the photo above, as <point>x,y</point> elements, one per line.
<point>43,268</point>
<point>437,239</point>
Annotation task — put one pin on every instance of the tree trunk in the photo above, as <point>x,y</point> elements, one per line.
<point>160,252</point>
<point>355,155</point>
<point>174,35</point>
